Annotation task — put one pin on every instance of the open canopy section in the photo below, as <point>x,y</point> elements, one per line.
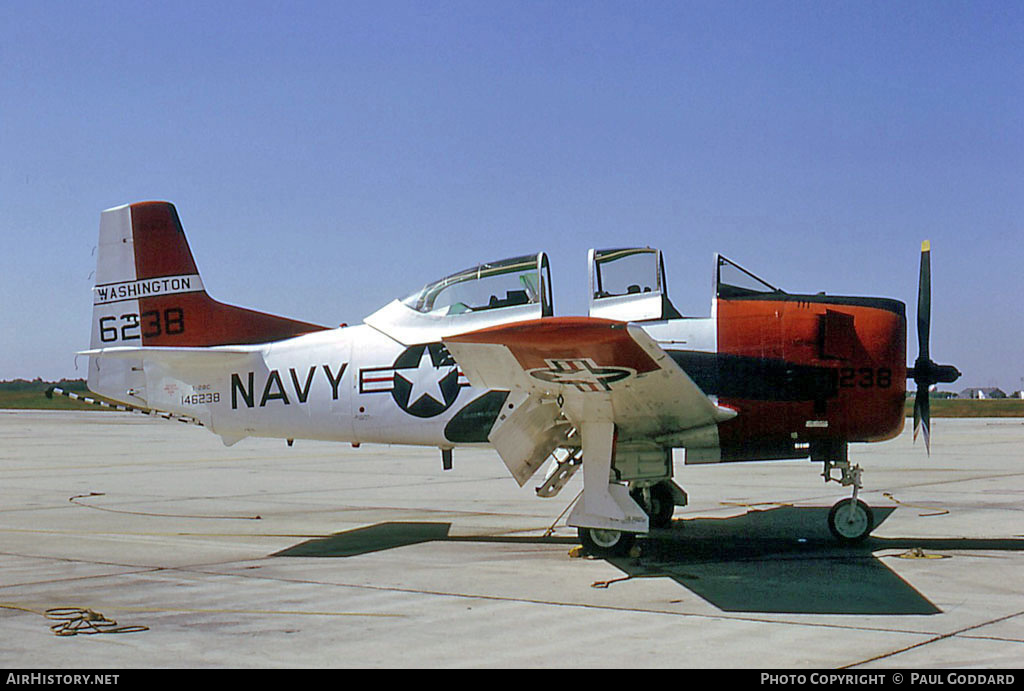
<point>733,281</point>
<point>629,284</point>
<point>489,294</point>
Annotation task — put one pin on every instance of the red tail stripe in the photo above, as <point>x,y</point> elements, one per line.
<point>160,245</point>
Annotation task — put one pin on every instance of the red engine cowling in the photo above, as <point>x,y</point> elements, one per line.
<point>805,369</point>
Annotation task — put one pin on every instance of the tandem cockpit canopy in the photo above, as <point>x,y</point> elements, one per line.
<point>499,292</point>
<point>507,283</point>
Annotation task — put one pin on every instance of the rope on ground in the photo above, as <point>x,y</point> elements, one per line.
<point>551,530</point>
<point>918,553</point>
<point>934,511</point>
<point>754,505</point>
<point>74,500</point>
<point>605,584</point>
<point>77,620</point>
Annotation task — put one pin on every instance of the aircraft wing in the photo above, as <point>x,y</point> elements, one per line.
<point>580,371</point>
<point>579,357</point>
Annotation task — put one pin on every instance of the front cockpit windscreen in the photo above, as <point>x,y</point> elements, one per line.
<point>507,283</point>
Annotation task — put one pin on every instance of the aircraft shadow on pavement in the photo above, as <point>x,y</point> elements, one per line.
<point>780,560</point>
<point>384,536</point>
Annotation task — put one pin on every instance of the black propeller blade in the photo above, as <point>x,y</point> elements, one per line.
<point>925,372</point>
<point>924,301</point>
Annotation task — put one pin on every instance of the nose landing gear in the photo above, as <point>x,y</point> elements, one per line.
<point>850,520</point>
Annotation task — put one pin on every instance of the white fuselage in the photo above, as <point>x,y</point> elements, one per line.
<point>352,384</point>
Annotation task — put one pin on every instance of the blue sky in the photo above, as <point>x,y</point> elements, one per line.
<point>326,157</point>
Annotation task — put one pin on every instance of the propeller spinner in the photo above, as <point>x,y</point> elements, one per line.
<point>925,371</point>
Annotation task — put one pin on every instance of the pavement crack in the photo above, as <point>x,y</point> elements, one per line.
<point>935,639</point>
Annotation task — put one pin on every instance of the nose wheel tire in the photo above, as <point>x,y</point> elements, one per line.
<point>606,543</point>
<point>850,521</point>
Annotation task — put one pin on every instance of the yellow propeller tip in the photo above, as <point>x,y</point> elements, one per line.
<point>926,246</point>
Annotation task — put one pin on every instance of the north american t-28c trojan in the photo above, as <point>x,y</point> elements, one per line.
<point>478,358</point>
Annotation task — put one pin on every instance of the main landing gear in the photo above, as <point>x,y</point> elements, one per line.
<point>606,543</point>
<point>658,501</point>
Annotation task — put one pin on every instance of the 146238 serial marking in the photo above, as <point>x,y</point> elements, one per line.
<point>201,398</point>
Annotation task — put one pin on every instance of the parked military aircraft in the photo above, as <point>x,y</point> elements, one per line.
<point>478,358</point>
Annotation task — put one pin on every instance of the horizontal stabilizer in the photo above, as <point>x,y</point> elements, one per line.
<point>176,380</point>
<point>199,357</point>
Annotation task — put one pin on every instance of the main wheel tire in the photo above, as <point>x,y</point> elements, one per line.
<point>606,543</point>
<point>661,506</point>
<point>850,521</point>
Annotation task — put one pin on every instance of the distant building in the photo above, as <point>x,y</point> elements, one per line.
<point>983,392</point>
<point>932,393</point>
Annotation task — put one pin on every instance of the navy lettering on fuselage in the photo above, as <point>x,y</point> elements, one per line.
<point>243,386</point>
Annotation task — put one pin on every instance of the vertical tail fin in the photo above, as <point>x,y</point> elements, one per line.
<point>149,293</point>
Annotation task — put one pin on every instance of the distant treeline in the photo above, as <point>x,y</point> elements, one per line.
<point>38,384</point>
<point>25,394</point>
<point>967,407</point>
